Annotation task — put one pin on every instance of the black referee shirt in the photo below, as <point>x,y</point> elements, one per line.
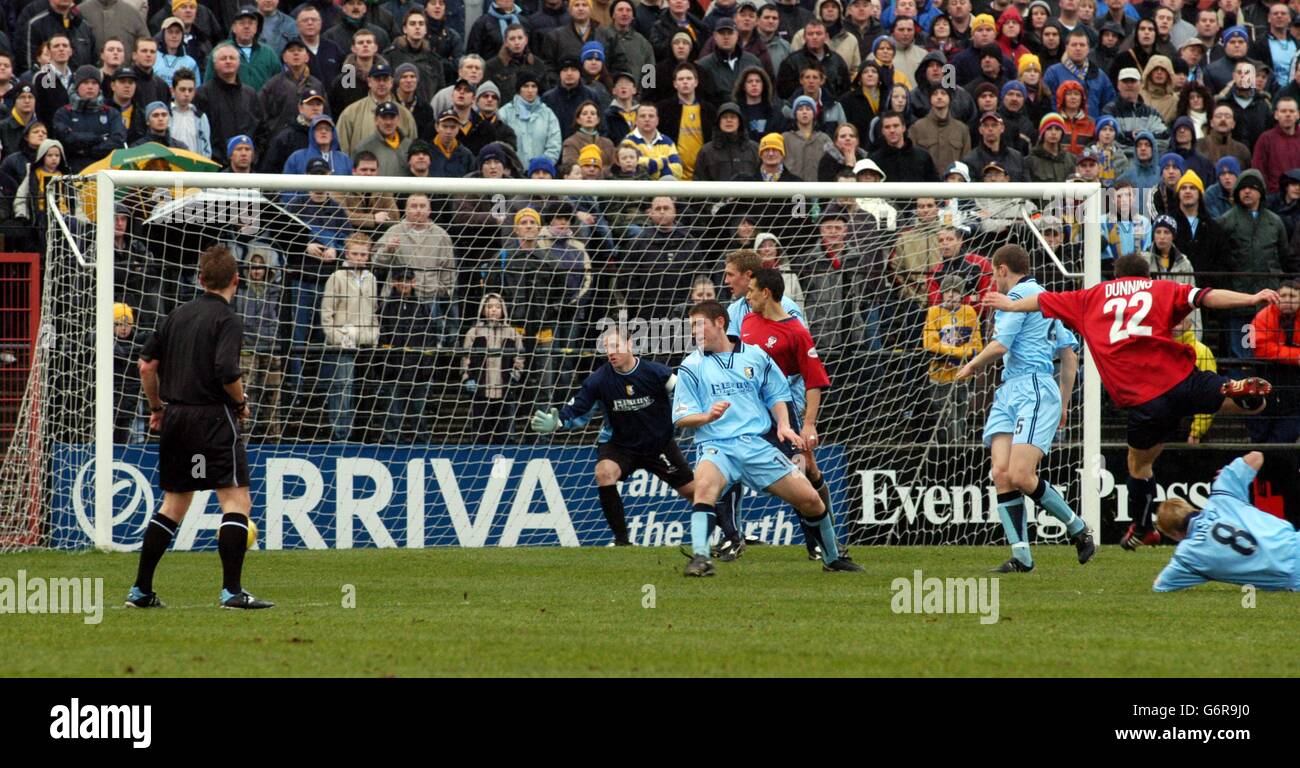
<point>197,348</point>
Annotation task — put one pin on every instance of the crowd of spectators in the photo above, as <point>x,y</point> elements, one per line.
<point>1186,112</point>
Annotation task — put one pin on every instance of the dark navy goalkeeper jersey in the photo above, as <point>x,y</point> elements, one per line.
<point>637,406</point>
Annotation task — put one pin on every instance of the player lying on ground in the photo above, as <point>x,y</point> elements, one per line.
<point>636,397</point>
<point>1127,323</point>
<point>790,345</point>
<point>739,273</point>
<point>190,372</point>
<point>1229,540</point>
<point>731,393</point>
<point>1027,410</point>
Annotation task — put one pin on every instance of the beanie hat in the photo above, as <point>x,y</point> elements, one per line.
<point>528,213</point>
<point>772,141</point>
<point>1051,119</point>
<point>590,155</point>
<point>1176,160</point>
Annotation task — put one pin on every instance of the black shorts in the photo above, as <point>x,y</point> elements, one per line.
<point>207,431</point>
<point>668,464</point>
<point>1154,421</point>
<point>796,423</point>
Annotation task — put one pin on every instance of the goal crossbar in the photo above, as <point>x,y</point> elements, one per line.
<point>109,182</point>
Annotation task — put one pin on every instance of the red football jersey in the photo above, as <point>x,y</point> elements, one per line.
<point>1128,325</point>
<point>790,346</point>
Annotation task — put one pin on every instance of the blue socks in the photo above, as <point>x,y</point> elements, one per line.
<point>1048,497</point>
<point>702,517</point>
<point>825,528</point>
<point>1011,510</point>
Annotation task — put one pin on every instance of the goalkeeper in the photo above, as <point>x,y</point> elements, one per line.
<point>636,396</point>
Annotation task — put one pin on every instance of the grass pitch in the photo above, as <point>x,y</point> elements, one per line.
<point>551,611</point>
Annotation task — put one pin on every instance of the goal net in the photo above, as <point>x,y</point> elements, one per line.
<point>399,334</point>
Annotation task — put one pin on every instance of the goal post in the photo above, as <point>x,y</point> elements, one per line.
<point>435,447</point>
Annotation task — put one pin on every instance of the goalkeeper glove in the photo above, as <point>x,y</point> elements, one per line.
<point>546,421</point>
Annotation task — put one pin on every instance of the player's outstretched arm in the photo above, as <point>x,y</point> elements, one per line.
<point>992,352</point>
<point>1221,299</point>
<point>1004,303</point>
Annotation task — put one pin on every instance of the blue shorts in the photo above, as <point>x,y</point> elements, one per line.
<point>1029,409</point>
<point>749,459</point>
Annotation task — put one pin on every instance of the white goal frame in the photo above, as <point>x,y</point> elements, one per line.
<point>108,182</point>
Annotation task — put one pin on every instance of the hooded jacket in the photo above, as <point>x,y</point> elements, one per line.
<point>1144,175</point>
<point>1162,98</point>
<point>727,156</point>
<point>258,305</point>
<point>1012,49</point>
<point>29,202</point>
<point>766,116</point>
<point>1256,243</point>
<point>961,106</point>
<point>1192,159</point>
<point>1277,203</point>
<point>844,42</point>
<point>491,340</point>
<point>340,163</point>
<point>1079,128</point>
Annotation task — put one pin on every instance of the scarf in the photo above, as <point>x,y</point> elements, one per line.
<point>446,151</point>
<point>503,19</point>
<point>1079,72</point>
<point>872,98</point>
<point>526,109</point>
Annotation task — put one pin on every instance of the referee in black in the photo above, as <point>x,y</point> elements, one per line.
<point>190,372</point>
